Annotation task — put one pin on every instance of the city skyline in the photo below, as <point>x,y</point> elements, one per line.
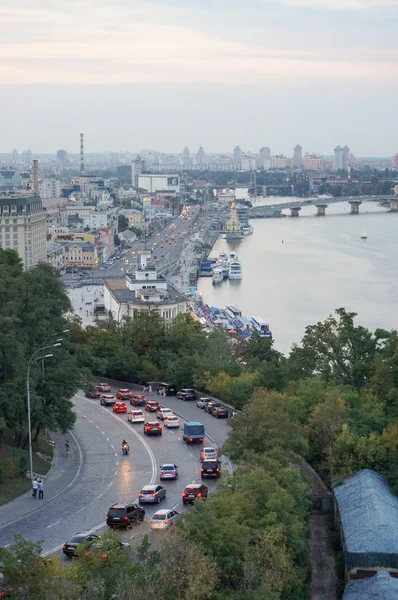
<point>157,74</point>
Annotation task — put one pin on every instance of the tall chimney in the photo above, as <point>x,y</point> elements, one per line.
<point>36,176</point>
<point>81,155</point>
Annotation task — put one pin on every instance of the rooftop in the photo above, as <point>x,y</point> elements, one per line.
<point>380,587</point>
<point>122,294</point>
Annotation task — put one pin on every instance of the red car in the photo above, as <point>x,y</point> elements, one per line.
<point>124,394</point>
<point>92,394</point>
<point>138,400</point>
<point>152,406</point>
<point>120,407</point>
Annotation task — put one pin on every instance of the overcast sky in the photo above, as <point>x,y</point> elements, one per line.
<point>165,74</point>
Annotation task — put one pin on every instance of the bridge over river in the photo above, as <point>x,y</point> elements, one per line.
<point>321,204</point>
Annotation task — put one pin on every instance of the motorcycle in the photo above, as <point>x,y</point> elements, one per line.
<point>125,449</point>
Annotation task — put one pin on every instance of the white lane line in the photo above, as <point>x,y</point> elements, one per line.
<point>172,432</point>
<point>111,483</point>
<point>102,433</point>
<point>117,463</point>
<point>7,545</point>
<point>133,536</point>
<point>191,454</point>
<point>98,497</point>
<point>56,523</point>
<point>107,439</point>
<point>115,453</point>
<point>80,509</point>
<point>97,426</point>
<point>112,446</point>
<point>90,421</point>
<point>174,507</point>
<point>179,439</point>
<point>116,472</point>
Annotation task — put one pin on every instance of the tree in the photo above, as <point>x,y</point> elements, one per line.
<point>123,222</point>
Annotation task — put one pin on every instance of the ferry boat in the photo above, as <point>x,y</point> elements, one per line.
<point>364,235</point>
<point>232,311</point>
<point>235,269</point>
<point>261,327</point>
<point>217,275</point>
<point>247,230</point>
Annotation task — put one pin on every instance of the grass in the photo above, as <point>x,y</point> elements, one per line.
<point>9,455</point>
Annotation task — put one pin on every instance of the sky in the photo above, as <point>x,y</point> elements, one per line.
<point>156,74</point>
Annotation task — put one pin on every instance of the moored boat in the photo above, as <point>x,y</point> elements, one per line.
<point>235,269</point>
<point>261,326</point>
<point>217,275</point>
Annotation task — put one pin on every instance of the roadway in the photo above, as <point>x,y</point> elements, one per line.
<point>106,476</point>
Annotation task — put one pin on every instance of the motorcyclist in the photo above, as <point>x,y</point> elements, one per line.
<point>67,445</point>
<point>124,443</point>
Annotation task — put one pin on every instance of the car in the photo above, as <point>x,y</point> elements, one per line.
<point>193,491</point>
<point>164,519</point>
<point>210,468</point>
<point>92,394</point>
<point>168,471</point>
<point>209,406</point>
<point>70,547</point>
<point>152,406</point>
<point>201,402</point>
<point>152,428</point>
<point>136,416</point>
<point>104,387</point>
<point>171,421</point>
<point>138,400</point>
<point>152,494</point>
<point>208,452</point>
<point>124,394</point>
<point>168,388</point>
<point>220,412</point>
<point>120,407</point>
<point>186,394</point>
<point>164,412</point>
<point>122,515</point>
<point>107,400</point>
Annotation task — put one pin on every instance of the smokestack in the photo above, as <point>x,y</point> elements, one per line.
<point>81,155</point>
<point>36,176</point>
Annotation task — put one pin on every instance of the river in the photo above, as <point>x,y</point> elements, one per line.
<point>296,271</point>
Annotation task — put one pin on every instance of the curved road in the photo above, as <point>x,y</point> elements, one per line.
<point>106,476</point>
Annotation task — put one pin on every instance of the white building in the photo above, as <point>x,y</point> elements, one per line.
<point>49,188</point>
<point>23,227</point>
<point>249,163</point>
<point>106,217</point>
<point>298,157</point>
<point>141,290</point>
<point>153,182</point>
<point>55,255</point>
<point>338,158</point>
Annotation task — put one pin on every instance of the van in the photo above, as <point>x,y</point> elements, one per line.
<point>169,388</point>
<point>193,432</point>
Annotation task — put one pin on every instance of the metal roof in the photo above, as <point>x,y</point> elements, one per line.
<point>369,517</point>
<point>380,587</point>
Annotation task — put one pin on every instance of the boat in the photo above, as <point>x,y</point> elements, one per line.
<point>261,327</point>
<point>217,275</point>
<point>364,235</point>
<point>247,230</point>
<point>235,269</point>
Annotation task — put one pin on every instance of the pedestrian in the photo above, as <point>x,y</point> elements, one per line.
<point>34,487</point>
<point>150,389</point>
<point>40,486</point>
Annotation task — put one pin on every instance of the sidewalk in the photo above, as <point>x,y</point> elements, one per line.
<point>62,474</point>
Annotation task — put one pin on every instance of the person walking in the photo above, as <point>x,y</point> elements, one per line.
<point>34,487</point>
<point>40,486</point>
<point>150,389</point>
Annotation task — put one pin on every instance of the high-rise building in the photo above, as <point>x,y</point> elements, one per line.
<point>237,156</point>
<point>263,159</point>
<point>137,167</point>
<point>345,158</point>
<point>27,158</point>
<point>395,161</point>
<point>186,158</point>
<point>200,157</point>
<point>23,227</point>
<point>298,157</point>
<point>15,158</point>
<point>338,158</point>
<point>62,156</point>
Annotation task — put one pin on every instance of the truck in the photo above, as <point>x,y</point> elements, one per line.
<point>193,432</point>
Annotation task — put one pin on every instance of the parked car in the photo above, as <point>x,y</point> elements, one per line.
<point>92,394</point>
<point>210,468</point>
<point>171,421</point>
<point>122,515</point>
<point>164,412</point>
<point>209,406</point>
<point>169,388</point>
<point>193,491</point>
<point>138,400</point>
<point>201,402</point>
<point>107,400</point>
<point>70,547</point>
<point>152,494</point>
<point>136,416</point>
<point>220,412</point>
<point>124,394</point>
<point>152,406</point>
<point>164,519</point>
<point>168,471</point>
<point>104,387</point>
<point>152,428</point>
<point>186,394</point>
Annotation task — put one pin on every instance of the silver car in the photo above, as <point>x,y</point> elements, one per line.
<point>164,519</point>
<point>168,471</point>
<point>201,402</point>
<point>151,494</point>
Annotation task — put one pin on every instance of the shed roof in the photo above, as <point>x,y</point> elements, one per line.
<point>380,587</point>
<point>369,516</point>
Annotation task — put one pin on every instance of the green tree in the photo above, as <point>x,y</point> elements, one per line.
<point>123,222</point>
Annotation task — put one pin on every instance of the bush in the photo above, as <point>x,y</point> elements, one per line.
<point>3,474</point>
<point>22,465</point>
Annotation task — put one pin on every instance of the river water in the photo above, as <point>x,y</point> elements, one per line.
<point>296,271</point>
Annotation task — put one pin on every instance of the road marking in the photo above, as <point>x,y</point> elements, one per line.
<point>116,472</point>
<point>98,497</point>
<point>115,453</point>
<point>174,507</point>
<point>102,432</point>
<point>133,536</point>
<point>7,545</point>
<point>80,509</point>
<point>112,446</point>
<point>111,483</point>
<point>171,431</point>
<point>48,527</point>
<point>107,439</point>
<point>97,427</point>
<point>191,454</point>
<point>179,439</point>
<point>90,421</point>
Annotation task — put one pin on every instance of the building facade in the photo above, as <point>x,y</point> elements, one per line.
<point>153,182</point>
<point>134,217</point>
<point>80,254</point>
<point>23,227</point>
<point>298,157</point>
<point>55,255</point>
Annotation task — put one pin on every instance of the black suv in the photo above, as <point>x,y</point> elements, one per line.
<point>193,491</point>
<point>186,394</point>
<point>70,547</point>
<point>152,428</point>
<point>169,388</point>
<point>122,515</point>
<point>210,468</point>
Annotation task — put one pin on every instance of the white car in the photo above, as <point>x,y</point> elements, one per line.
<point>136,416</point>
<point>164,519</point>
<point>207,453</point>
<point>162,413</point>
<point>171,421</point>
<point>201,402</point>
